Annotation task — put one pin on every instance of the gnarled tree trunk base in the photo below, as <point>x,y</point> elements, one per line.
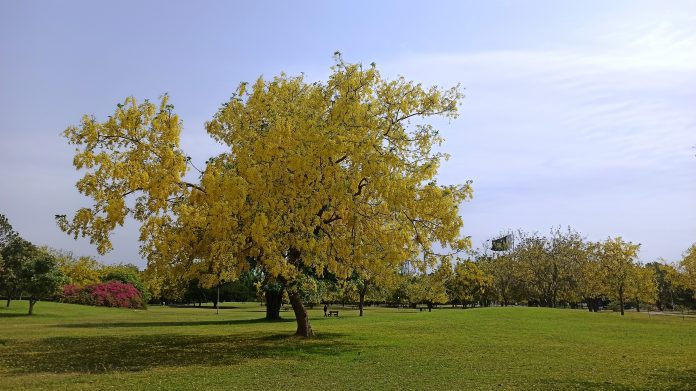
<point>304,329</point>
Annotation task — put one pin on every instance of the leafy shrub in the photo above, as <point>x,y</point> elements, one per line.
<point>108,294</point>
<point>76,294</point>
<point>71,292</point>
<point>128,276</point>
<point>116,294</point>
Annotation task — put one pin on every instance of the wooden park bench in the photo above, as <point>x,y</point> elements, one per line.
<point>333,313</point>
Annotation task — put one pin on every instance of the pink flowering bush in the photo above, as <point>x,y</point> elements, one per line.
<point>116,294</point>
<point>71,291</point>
<point>108,294</point>
<point>76,294</point>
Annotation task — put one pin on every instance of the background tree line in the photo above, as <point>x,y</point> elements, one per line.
<point>564,269</point>
<point>560,269</point>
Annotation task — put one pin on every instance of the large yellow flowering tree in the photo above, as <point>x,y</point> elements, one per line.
<point>333,177</point>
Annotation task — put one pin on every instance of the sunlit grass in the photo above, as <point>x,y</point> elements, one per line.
<point>79,347</point>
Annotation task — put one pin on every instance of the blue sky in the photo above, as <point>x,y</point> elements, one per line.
<point>576,113</point>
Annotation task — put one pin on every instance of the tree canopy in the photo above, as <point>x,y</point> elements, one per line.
<point>40,276</point>
<point>318,177</point>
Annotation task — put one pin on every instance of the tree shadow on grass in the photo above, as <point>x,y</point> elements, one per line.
<point>667,379</point>
<point>101,354</point>
<point>13,315</point>
<point>676,379</point>
<point>202,307</point>
<point>106,325</point>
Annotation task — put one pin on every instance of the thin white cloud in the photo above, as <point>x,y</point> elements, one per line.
<point>606,128</point>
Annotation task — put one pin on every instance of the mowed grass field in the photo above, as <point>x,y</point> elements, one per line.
<point>77,347</point>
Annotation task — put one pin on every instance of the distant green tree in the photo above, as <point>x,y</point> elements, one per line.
<point>40,277</point>
<point>667,280</point>
<point>15,254</point>
<point>241,289</point>
<point>505,271</point>
<point>195,293</point>
<point>430,289</point>
<point>7,233</point>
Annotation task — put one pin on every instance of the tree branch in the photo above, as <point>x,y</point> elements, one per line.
<point>191,185</point>
<point>361,184</point>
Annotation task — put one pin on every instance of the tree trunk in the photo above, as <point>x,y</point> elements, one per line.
<point>621,301</point>
<point>362,301</point>
<point>273,303</point>
<point>304,329</point>
<point>593,304</point>
<point>8,301</point>
<point>430,307</point>
<point>31,306</point>
<point>637,305</point>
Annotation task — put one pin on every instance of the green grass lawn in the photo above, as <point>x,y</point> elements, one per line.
<point>78,347</point>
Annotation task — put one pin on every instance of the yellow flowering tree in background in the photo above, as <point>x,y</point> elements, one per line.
<point>617,259</point>
<point>642,288</point>
<point>317,177</point>
<point>688,266</point>
<point>469,283</point>
<point>80,271</point>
